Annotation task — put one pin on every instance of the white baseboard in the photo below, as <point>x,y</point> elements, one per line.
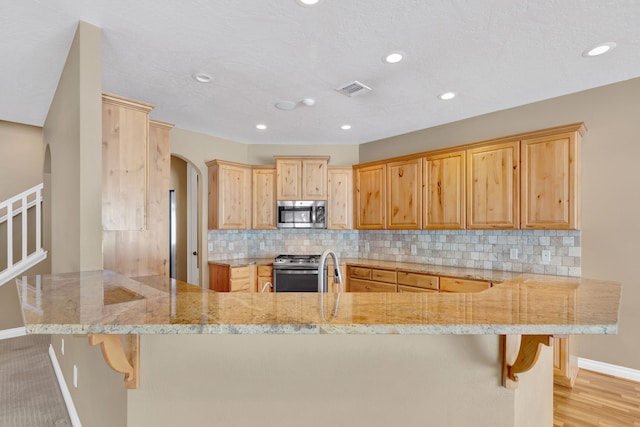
<point>606,368</point>
<point>12,333</point>
<point>73,414</point>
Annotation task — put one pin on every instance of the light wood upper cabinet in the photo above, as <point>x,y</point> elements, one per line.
<point>125,140</point>
<point>340,198</point>
<point>404,194</point>
<point>370,196</point>
<point>229,195</point>
<point>550,175</point>
<point>264,198</point>
<point>493,185</point>
<point>301,178</point>
<point>444,191</point>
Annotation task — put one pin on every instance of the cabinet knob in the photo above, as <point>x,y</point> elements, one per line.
<point>195,253</point>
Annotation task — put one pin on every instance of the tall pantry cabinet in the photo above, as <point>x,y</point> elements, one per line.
<point>135,188</point>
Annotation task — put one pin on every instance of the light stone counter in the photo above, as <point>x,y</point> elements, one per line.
<point>102,302</point>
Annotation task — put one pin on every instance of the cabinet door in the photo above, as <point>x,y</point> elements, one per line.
<point>289,175</point>
<point>550,167</point>
<point>229,195</point>
<point>444,191</point>
<point>219,277</point>
<point>264,198</point>
<point>493,186</point>
<point>340,198</point>
<point>404,194</point>
<point>125,139</point>
<point>314,179</point>
<point>370,197</point>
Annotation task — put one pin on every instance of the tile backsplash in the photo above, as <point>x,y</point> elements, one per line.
<point>487,249</point>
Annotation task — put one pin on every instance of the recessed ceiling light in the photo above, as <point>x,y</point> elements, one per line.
<point>447,96</point>
<point>307,3</point>
<point>394,57</point>
<point>599,49</point>
<point>261,126</point>
<point>345,127</point>
<point>202,77</point>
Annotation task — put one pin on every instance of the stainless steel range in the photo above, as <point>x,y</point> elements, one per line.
<point>296,273</point>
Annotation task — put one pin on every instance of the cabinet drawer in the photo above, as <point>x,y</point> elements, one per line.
<point>386,276</point>
<point>450,284</point>
<point>418,280</point>
<point>240,285</point>
<point>360,273</point>
<point>265,271</point>
<point>240,272</point>
<point>357,285</point>
<point>403,288</point>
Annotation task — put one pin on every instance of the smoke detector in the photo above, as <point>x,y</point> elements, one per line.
<point>354,88</point>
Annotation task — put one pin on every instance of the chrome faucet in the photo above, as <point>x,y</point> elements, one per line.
<point>322,287</point>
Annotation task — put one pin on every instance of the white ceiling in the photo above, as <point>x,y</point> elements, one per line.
<point>495,54</point>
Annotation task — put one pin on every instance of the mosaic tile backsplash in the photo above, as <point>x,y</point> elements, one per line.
<point>487,249</point>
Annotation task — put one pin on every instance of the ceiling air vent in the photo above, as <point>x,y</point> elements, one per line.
<point>354,88</point>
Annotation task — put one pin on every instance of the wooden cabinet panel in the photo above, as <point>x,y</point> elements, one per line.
<point>301,178</point>
<point>404,288</point>
<point>289,174</point>
<point>418,280</point>
<point>314,179</point>
<point>340,198</point>
<point>444,191</point>
<point>370,197</point>
<point>229,195</point>
<point>565,361</point>
<point>451,284</point>
<point>359,272</point>
<point>388,276</point>
<point>219,276</point>
<point>358,285</point>
<point>493,185</point>
<point>265,278</point>
<point>125,138</point>
<point>404,194</point>
<point>264,198</point>
<point>550,174</point>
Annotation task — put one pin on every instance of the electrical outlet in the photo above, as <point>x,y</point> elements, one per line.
<point>513,253</point>
<point>367,247</point>
<point>230,246</point>
<point>62,346</point>
<point>262,246</point>
<point>210,246</point>
<point>414,249</point>
<point>75,376</point>
<point>546,257</point>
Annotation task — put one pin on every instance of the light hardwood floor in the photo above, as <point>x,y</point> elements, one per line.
<point>597,400</point>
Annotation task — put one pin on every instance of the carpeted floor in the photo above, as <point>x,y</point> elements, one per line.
<point>29,392</point>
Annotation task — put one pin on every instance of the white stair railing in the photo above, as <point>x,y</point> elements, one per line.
<point>10,208</point>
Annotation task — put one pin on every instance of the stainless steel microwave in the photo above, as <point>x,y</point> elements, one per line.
<point>301,214</point>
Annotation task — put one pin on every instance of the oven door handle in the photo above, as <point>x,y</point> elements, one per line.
<point>301,271</point>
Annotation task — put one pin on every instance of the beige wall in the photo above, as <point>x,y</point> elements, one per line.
<point>21,158</point>
<point>178,183</point>
<point>73,131</point>
<point>320,380</point>
<point>610,190</point>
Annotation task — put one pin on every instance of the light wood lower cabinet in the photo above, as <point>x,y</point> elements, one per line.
<point>453,284</point>
<point>417,281</point>
<point>362,279</point>
<point>565,362</point>
<point>265,278</point>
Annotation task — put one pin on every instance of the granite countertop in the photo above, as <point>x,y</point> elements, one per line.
<point>105,302</point>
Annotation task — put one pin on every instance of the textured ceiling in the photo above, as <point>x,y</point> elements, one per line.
<point>495,54</point>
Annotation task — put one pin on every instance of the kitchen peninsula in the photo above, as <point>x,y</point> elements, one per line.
<point>375,359</point>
